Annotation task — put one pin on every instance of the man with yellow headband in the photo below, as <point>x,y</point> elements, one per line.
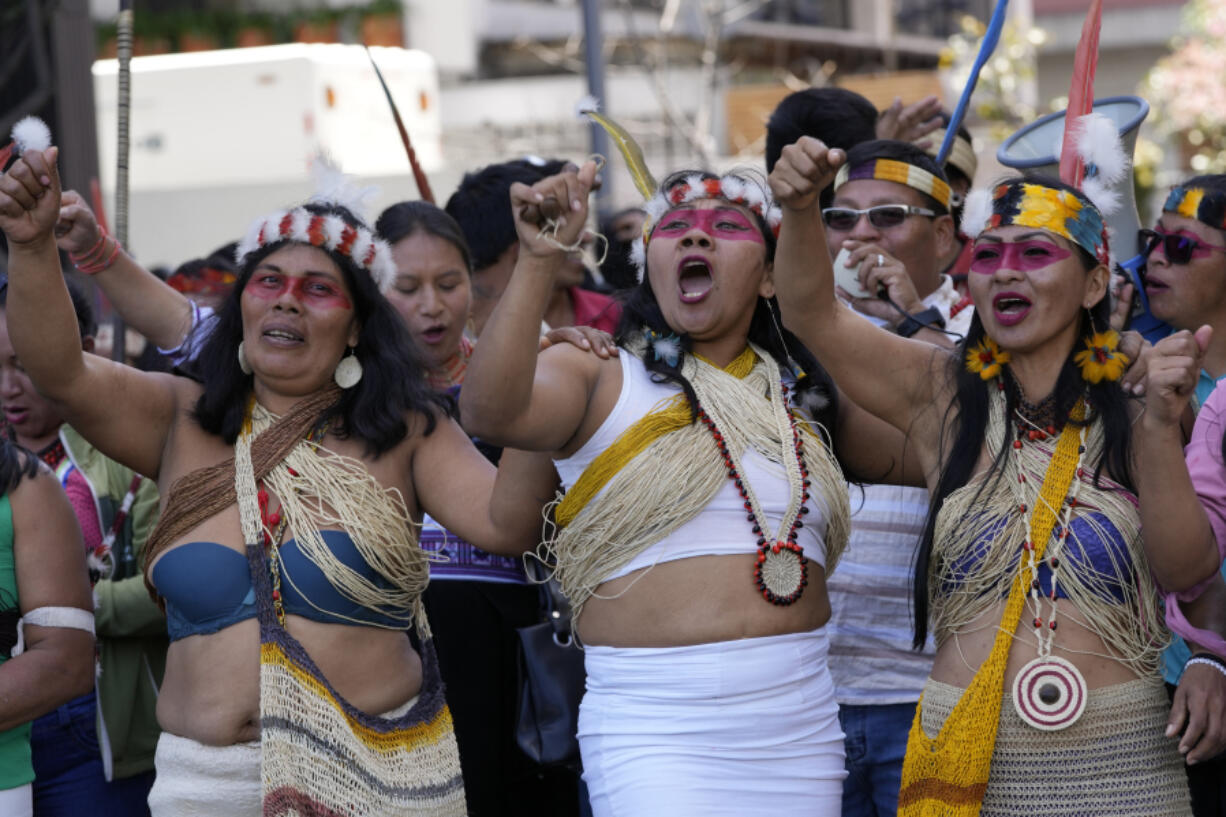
<point>902,231</point>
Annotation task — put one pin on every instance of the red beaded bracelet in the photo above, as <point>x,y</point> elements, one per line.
<point>98,266</point>
<point>87,256</point>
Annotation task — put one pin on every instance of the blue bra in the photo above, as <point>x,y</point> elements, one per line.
<point>1102,561</point>
<point>207,587</point>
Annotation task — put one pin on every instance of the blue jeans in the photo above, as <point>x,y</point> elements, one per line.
<point>876,742</point>
<point>68,775</point>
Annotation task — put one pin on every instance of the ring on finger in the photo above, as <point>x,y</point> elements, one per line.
<point>880,260</point>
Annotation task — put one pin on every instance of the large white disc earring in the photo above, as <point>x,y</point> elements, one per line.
<point>242,358</point>
<point>348,371</point>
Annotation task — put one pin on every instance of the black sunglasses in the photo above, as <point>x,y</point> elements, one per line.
<point>883,216</point>
<point>1178,249</point>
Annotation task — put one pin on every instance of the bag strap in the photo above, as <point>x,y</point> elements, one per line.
<point>555,607</point>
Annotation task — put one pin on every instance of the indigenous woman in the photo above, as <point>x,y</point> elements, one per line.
<point>476,599</point>
<point>45,603</point>
<point>1033,569</point>
<point>294,475</point>
<point>702,512</point>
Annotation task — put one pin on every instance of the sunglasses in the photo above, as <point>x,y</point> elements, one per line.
<point>1178,249</point>
<point>883,216</point>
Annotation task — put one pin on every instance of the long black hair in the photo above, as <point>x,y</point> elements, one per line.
<point>641,312</point>
<point>966,421</point>
<point>374,410</point>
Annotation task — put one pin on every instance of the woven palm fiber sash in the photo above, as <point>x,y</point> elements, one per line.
<point>947,776</point>
<point>205,492</point>
<point>665,468</point>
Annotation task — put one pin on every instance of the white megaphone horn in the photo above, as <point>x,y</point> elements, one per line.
<point>1035,148</point>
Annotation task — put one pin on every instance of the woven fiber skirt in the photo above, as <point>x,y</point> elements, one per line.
<point>1113,762</point>
<point>732,728</point>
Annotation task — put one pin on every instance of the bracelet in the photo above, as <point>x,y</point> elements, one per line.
<point>93,268</point>
<point>83,258</point>
<point>1212,661</point>
<point>928,318</point>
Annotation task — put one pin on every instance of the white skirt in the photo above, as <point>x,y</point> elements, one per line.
<point>731,728</point>
<point>18,802</point>
<point>196,780</point>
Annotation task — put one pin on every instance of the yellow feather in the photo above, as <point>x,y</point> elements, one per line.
<point>630,150</point>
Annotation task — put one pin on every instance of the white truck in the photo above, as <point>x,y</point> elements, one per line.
<point>220,137</point>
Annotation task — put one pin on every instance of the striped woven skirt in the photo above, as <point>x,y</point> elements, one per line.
<point>1113,761</point>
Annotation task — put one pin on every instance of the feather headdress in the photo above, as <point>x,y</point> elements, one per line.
<point>328,232</point>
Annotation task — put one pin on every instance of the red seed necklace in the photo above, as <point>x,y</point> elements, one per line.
<point>781,571</point>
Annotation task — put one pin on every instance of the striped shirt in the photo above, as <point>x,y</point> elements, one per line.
<point>871,628</point>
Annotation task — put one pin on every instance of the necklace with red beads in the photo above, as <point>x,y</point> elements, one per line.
<point>781,571</point>
<point>274,524</point>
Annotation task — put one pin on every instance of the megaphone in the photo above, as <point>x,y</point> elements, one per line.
<point>1034,148</point>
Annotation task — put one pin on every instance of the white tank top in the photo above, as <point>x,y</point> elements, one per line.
<point>721,528</point>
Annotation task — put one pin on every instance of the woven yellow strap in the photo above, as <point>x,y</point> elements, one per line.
<point>947,776</point>
<point>673,416</point>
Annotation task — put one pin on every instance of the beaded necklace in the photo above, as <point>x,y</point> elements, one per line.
<point>274,525</point>
<point>781,571</point>
<point>1049,692</point>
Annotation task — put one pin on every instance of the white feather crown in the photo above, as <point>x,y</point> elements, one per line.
<point>731,187</point>
<point>328,232</point>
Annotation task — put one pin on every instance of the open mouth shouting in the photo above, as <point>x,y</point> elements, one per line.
<point>434,333</point>
<point>694,279</point>
<point>1010,308</point>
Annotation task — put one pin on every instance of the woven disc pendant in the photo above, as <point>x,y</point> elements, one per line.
<point>1049,693</point>
<point>782,572</point>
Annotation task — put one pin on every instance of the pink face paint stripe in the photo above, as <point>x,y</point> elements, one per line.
<point>990,256</point>
<point>270,291</point>
<point>676,222</point>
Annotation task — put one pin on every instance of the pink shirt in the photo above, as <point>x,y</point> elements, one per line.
<point>1204,458</point>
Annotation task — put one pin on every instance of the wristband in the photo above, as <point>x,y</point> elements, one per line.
<point>929,318</point>
<point>1212,661</point>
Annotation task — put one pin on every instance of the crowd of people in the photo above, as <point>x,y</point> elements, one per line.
<point>862,497</point>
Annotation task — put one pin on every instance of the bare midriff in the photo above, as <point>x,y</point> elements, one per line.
<point>962,653</point>
<point>699,600</point>
<point>211,692</point>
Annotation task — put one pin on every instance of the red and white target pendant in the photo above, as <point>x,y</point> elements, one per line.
<point>1049,693</point>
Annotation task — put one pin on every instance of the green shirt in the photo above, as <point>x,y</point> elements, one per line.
<point>15,766</point>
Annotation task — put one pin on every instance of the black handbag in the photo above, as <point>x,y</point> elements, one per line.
<point>551,681</point>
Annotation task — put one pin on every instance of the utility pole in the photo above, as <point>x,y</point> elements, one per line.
<point>593,58</point>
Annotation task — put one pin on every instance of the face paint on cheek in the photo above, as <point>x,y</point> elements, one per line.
<point>1022,256</point>
<point>320,293</point>
<point>728,225</point>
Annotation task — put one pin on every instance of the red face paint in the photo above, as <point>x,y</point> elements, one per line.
<point>1023,256</point>
<point>724,223</point>
<point>314,290</point>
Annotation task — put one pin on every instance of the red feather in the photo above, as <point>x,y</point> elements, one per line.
<point>5,154</point>
<point>1080,94</point>
<point>419,175</point>
<point>95,195</point>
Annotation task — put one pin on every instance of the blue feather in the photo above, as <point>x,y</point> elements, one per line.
<point>990,38</point>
